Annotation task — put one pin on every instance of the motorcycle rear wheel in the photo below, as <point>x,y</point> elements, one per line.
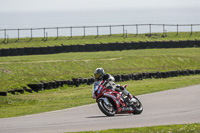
<point>107,110</point>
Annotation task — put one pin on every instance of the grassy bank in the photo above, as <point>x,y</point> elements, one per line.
<point>182,128</point>
<point>67,97</point>
<point>18,71</point>
<point>52,41</point>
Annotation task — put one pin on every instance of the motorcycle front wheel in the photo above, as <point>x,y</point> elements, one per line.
<point>138,108</point>
<point>107,110</point>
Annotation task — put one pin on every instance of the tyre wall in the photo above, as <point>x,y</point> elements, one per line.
<point>98,47</point>
<point>88,81</point>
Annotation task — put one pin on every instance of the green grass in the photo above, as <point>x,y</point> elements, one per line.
<point>52,41</point>
<point>67,97</point>
<point>182,128</point>
<point>17,71</point>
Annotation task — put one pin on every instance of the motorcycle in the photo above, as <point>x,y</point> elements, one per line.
<point>112,102</point>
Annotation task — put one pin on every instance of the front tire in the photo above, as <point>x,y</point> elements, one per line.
<point>107,110</point>
<point>138,108</point>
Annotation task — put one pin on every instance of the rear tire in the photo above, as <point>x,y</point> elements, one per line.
<point>138,108</point>
<point>109,111</point>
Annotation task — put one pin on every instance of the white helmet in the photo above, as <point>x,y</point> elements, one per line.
<point>98,73</point>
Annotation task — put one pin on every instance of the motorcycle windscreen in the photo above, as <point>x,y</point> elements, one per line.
<point>95,87</point>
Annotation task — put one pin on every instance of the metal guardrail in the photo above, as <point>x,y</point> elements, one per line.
<point>57,32</point>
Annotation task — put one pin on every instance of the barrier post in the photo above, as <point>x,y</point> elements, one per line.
<point>97,30</point>
<point>4,36</point>
<point>110,31</point>
<point>71,31</point>
<point>123,30</point>
<point>150,29</point>
<point>57,33</point>
<point>44,34</point>
<point>177,30</point>
<point>163,29</point>
<point>18,35</point>
<point>136,29</point>
<point>7,39</point>
<point>31,34</point>
<point>84,31</point>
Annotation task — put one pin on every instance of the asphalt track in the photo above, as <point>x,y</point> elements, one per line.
<point>177,106</point>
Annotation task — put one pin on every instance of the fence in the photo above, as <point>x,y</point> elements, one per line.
<point>57,32</point>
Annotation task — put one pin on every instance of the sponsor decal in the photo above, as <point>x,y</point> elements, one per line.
<point>99,89</point>
<point>105,94</point>
<point>117,102</point>
<point>104,91</point>
<point>127,109</point>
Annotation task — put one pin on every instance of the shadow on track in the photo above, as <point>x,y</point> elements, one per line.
<point>108,116</point>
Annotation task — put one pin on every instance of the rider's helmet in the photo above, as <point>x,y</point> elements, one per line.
<point>98,73</point>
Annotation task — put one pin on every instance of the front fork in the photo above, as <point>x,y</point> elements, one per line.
<point>105,101</point>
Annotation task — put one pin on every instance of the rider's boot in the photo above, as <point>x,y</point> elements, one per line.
<point>131,99</point>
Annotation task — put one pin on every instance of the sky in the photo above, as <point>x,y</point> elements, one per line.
<point>78,5</point>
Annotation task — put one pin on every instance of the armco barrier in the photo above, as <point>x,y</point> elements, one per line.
<point>98,47</point>
<point>88,81</point>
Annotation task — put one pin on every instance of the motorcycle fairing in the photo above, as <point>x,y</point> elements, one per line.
<point>116,99</point>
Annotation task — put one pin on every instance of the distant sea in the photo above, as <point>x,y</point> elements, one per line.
<point>28,20</point>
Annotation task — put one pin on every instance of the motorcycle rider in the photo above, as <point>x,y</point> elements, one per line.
<point>109,82</point>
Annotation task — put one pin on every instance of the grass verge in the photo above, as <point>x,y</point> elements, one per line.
<point>182,128</point>
<point>17,71</point>
<point>54,41</point>
<point>67,97</point>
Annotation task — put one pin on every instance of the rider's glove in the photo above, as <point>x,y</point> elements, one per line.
<point>120,87</point>
<point>105,77</point>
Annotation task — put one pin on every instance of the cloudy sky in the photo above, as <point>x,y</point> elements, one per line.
<point>71,5</point>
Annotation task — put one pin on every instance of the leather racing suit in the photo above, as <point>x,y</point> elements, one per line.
<point>109,82</point>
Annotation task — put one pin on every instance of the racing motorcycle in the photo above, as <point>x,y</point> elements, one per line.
<point>112,102</point>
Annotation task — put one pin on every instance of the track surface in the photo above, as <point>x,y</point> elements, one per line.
<point>176,106</point>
